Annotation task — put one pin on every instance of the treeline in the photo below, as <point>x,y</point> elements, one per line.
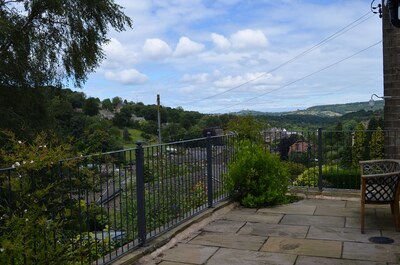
<point>71,116</point>
<point>92,125</point>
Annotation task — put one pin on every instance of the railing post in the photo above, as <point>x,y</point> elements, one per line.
<point>209,171</point>
<point>320,159</point>
<point>140,198</point>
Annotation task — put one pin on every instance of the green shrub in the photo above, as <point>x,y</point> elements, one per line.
<point>257,178</point>
<point>41,217</point>
<point>295,169</point>
<point>333,176</point>
<point>308,178</point>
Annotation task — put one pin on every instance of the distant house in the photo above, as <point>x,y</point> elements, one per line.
<point>106,114</point>
<point>135,118</point>
<point>119,107</point>
<point>299,146</point>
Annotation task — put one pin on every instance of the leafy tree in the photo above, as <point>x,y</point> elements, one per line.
<point>47,42</point>
<point>376,144</point>
<point>358,146</point>
<point>62,112</point>
<point>23,111</point>
<point>107,104</point>
<point>76,99</point>
<point>99,136</point>
<point>172,132</point>
<point>246,127</point>
<point>122,118</point>
<point>91,106</point>
<point>126,136</point>
<point>339,132</point>
<point>149,127</point>
<point>116,101</point>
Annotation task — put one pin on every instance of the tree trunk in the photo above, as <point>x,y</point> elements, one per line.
<point>391,77</point>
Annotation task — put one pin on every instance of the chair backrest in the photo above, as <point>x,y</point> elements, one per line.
<point>372,167</point>
<point>381,178</point>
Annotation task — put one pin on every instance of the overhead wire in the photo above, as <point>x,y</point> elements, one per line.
<point>343,30</point>
<point>302,78</point>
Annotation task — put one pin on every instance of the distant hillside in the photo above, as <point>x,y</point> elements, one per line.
<point>341,109</point>
<point>334,110</point>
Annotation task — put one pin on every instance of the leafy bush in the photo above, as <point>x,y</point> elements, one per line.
<point>333,176</point>
<point>308,178</point>
<point>301,158</point>
<point>295,169</point>
<point>257,178</point>
<point>40,214</point>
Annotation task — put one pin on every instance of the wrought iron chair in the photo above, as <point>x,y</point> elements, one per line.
<point>380,185</point>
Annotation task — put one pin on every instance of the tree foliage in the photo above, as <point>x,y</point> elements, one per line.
<point>358,149</point>
<point>49,41</point>
<point>377,144</point>
<point>246,127</point>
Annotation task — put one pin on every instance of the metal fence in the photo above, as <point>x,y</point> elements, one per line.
<point>100,207</point>
<point>326,159</point>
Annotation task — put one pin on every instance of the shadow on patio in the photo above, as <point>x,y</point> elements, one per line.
<point>311,231</point>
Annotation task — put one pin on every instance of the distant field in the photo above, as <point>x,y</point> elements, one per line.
<point>135,136</point>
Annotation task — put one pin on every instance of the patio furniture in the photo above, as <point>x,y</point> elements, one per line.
<point>380,185</point>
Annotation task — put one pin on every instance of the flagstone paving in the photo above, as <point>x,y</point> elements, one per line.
<point>308,232</point>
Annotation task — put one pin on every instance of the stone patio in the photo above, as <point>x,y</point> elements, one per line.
<point>307,232</point>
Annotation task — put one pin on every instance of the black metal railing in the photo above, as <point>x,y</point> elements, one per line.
<point>108,204</point>
<point>102,206</point>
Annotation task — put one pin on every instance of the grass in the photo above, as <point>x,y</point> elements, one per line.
<point>135,137</point>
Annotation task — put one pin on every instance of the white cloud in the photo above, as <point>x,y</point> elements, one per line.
<point>249,39</point>
<point>117,54</point>
<point>156,49</point>
<point>220,41</point>
<point>127,77</point>
<point>197,78</point>
<point>255,79</point>
<point>187,47</point>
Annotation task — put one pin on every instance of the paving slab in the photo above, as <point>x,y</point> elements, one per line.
<point>357,204</point>
<point>308,232</point>
<point>224,226</point>
<point>353,204</point>
<point>338,211</point>
<point>331,203</point>
<point>256,217</point>
<point>295,208</point>
<point>341,234</point>
<point>234,241</point>
<point>371,252</point>
<point>246,257</point>
<point>371,222</point>
<point>333,221</point>
<point>305,260</point>
<point>261,229</point>
<point>308,247</point>
<point>158,262</point>
<point>187,253</point>
<point>384,211</point>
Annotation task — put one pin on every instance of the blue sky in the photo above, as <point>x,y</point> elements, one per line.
<point>220,56</point>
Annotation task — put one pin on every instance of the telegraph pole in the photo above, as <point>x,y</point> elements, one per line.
<point>159,119</point>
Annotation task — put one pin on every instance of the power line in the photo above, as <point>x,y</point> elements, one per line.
<point>302,78</point>
<point>343,30</point>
